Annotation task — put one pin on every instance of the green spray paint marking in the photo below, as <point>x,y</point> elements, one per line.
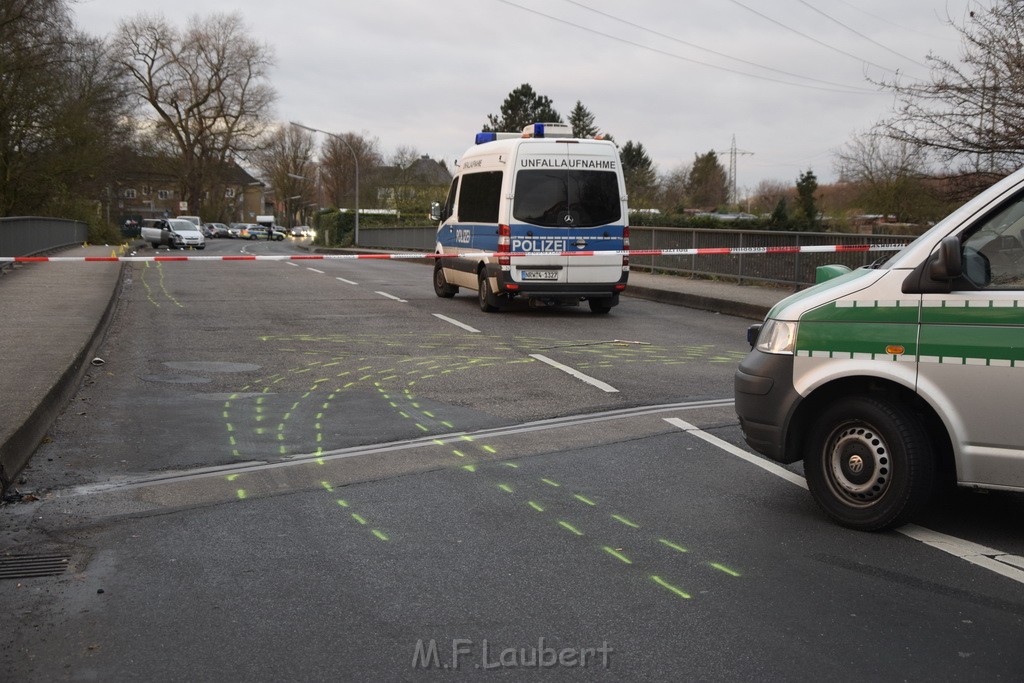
<point>343,503</point>
<point>535,506</point>
<point>583,499</point>
<point>241,494</point>
<point>490,449</point>
<point>723,568</point>
<point>617,555</point>
<point>327,485</point>
<point>551,483</point>
<point>672,545</point>
<point>505,487</point>
<point>511,464</point>
<point>665,584</point>
<point>469,468</point>
<point>379,534</point>
<point>459,453</point>
<point>232,477</point>
<point>359,518</point>
<point>620,518</point>
<point>570,527</point>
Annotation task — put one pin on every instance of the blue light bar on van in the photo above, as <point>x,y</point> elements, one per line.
<point>481,138</point>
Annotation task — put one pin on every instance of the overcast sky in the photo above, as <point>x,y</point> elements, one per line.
<point>786,77</point>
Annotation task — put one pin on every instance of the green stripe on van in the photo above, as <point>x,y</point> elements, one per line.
<point>855,337</point>
<point>866,311</point>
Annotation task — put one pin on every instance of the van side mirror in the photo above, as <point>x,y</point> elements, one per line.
<point>947,263</point>
<point>435,212</point>
<point>935,275</point>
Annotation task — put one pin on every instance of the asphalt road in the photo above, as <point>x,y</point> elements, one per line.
<point>319,473</point>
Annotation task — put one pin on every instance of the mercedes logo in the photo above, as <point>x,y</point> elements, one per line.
<point>568,219</point>
<point>856,464</point>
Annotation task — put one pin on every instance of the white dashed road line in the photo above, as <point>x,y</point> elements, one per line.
<point>392,297</point>
<point>1004,564</point>
<point>576,373</point>
<point>315,270</point>
<point>464,326</point>
<point>347,282</point>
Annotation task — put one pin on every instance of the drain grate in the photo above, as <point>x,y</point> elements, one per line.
<point>29,566</point>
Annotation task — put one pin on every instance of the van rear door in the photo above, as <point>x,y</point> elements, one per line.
<point>567,197</point>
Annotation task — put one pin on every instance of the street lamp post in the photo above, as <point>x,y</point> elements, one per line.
<point>355,158</point>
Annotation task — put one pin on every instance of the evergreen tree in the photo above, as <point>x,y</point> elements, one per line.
<point>708,184</point>
<point>639,174</point>
<point>806,186</point>
<point>582,122</point>
<point>521,108</point>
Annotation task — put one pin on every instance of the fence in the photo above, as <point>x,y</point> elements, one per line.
<point>25,236</point>
<point>788,269</point>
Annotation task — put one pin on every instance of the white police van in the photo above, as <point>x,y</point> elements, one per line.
<point>893,379</point>
<point>556,205</point>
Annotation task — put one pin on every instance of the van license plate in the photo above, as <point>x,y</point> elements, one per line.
<point>538,274</point>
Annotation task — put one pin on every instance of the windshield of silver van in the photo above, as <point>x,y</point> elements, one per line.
<point>567,199</point>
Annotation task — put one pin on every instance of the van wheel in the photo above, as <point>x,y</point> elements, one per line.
<point>441,286</point>
<point>486,296</point>
<point>869,463</point>
<point>599,306</point>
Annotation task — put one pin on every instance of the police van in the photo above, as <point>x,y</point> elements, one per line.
<point>892,380</point>
<point>537,214</point>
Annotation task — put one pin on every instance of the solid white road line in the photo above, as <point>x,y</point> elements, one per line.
<point>347,282</point>
<point>464,326</point>
<point>392,296</point>
<point>777,470</point>
<point>576,373</point>
<point>1004,564</point>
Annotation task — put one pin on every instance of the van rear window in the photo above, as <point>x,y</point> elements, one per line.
<point>567,199</point>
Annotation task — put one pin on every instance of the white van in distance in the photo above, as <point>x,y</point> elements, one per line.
<point>539,215</point>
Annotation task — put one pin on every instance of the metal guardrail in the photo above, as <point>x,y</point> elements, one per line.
<point>29,235</point>
<point>794,269</point>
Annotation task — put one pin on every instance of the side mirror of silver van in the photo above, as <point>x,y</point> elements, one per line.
<point>947,264</point>
<point>435,212</point>
<point>935,275</point>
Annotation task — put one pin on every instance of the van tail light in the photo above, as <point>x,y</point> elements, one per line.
<point>504,245</point>
<point>625,247</point>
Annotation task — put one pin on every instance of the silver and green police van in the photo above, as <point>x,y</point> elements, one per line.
<point>538,215</point>
<point>892,380</point>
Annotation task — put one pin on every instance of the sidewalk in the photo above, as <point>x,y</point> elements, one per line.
<point>54,317</point>
<point>56,314</point>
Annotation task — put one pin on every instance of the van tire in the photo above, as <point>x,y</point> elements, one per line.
<point>441,286</point>
<point>488,301</point>
<point>599,306</point>
<point>869,463</point>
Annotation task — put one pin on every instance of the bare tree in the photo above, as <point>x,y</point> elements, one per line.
<point>887,172</point>
<point>673,188</point>
<point>339,168</point>
<point>769,193</point>
<point>206,89</point>
<point>969,113</point>
<point>286,163</point>
<point>61,107</point>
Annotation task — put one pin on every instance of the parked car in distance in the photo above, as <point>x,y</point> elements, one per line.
<point>218,230</point>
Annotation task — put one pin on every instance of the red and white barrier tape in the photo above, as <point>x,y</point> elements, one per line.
<point>706,251</point>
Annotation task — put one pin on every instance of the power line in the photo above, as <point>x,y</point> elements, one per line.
<point>856,32</point>
<point>846,90</point>
<point>887,21</point>
<point>812,38</point>
<point>709,50</point>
